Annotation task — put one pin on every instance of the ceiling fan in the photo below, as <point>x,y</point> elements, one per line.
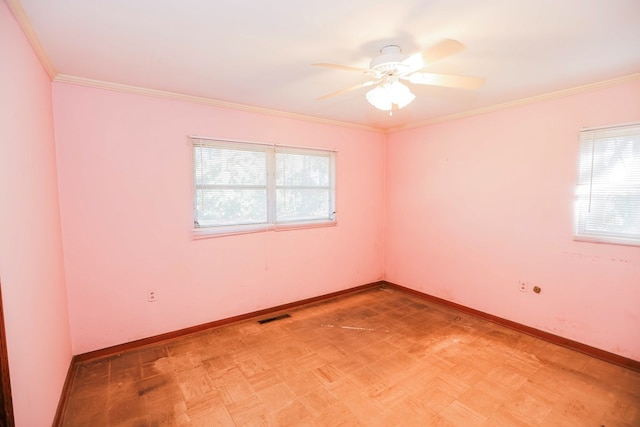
<point>391,67</point>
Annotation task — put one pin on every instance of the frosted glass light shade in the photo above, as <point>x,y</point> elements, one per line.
<point>384,96</point>
<point>400,94</point>
<point>379,98</point>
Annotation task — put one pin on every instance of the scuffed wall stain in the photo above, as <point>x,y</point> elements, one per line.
<point>573,325</point>
<point>579,255</point>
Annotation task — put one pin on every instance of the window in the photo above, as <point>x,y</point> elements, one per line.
<point>241,187</point>
<point>607,207</point>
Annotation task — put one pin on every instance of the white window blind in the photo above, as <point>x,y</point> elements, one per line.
<point>241,187</point>
<point>304,185</point>
<point>607,207</point>
<point>230,184</point>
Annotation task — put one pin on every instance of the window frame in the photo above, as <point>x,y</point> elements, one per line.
<point>271,222</point>
<point>588,188</point>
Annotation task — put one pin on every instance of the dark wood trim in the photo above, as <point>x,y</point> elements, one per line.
<point>6,405</point>
<point>555,339</point>
<point>66,392</point>
<point>120,348</point>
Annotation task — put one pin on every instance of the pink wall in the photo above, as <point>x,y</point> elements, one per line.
<point>489,198</point>
<point>125,192</point>
<point>31,261</point>
<point>478,204</point>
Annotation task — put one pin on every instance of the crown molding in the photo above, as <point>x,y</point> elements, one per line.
<point>81,81</point>
<point>100,84</point>
<point>524,101</point>
<point>27,28</point>
<point>25,23</point>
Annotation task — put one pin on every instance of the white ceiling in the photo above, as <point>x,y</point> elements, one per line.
<point>258,52</point>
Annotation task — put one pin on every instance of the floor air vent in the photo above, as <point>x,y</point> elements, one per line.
<point>271,319</point>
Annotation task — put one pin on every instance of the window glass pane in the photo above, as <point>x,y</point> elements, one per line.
<point>222,166</point>
<point>302,170</point>
<point>616,162</point>
<point>230,206</point>
<point>615,213</point>
<point>302,204</point>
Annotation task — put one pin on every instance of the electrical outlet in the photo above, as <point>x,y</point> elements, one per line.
<point>523,287</point>
<point>151,296</point>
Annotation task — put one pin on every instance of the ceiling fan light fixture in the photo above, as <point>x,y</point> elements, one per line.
<point>400,94</point>
<point>379,98</point>
<point>391,67</point>
<point>385,95</point>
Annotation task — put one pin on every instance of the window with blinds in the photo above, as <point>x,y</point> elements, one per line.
<point>607,207</point>
<point>241,187</point>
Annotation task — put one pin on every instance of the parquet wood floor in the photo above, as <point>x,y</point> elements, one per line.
<point>375,358</point>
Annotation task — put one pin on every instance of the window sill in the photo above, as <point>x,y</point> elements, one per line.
<point>606,240</point>
<point>207,233</point>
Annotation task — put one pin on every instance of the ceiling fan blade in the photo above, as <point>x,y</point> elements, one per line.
<point>441,50</point>
<point>411,64</point>
<point>340,67</point>
<point>349,89</point>
<point>446,80</point>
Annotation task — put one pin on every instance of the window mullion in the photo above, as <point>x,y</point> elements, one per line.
<point>271,186</point>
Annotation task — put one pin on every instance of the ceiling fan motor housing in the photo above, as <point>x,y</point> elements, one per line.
<point>389,61</point>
